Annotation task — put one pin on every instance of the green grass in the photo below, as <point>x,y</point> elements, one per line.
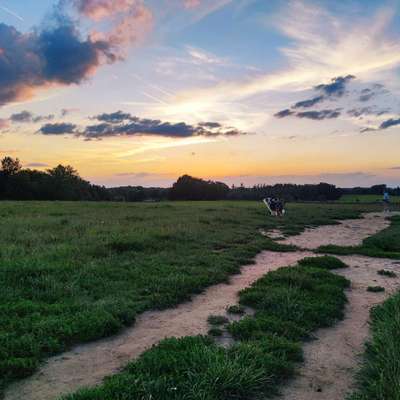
<point>379,377</point>
<point>290,303</point>
<point>366,198</point>
<point>388,273</point>
<point>375,289</point>
<point>326,262</point>
<point>74,272</point>
<point>215,331</point>
<point>385,243</point>
<point>236,309</point>
<point>217,320</point>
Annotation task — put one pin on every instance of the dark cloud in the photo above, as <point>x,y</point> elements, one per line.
<point>153,127</point>
<point>58,129</point>
<point>358,112</point>
<point>284,113</point>
<point>309,103</point>
<point>315,115</point>
<point>58,54</point>
<point>396,168</point>
<point>366,94</point>
<point>337,87</point>
<point>210,125</point>
<point>23,116</point>
<point>369,93</point>
<point>67,111</point>
<point>36,165</point>
<point>319,115</point>
<point>124,124</point>
<point>135,174</point>
<point>29,61</point>
<point>27,117</point>
<point>389,123</point>
<point>113,118</point>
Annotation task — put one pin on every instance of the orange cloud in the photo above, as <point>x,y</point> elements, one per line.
<point>4,123</point>
<point>131,19</point>
<point>191,3</point>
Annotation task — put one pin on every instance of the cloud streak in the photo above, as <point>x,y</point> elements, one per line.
<point>121,124</point>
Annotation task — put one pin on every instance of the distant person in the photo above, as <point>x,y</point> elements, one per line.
<point>386,201</point>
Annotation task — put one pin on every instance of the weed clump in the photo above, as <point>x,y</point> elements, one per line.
<point>236,309</point>
<point>375,289</point>
<point>386,272</point>
<point>217,320</point>
<point>215,332</point>
<point>326,262</point>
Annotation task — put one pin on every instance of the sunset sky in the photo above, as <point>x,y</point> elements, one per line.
<point>244,91</point>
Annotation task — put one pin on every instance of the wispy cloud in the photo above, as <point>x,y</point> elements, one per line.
<point>323,46</point>
<point>14,14</point>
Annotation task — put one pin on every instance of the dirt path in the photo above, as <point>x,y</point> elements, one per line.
<point>350,232</point>
<point>88,364</point>
<point>331,361</point>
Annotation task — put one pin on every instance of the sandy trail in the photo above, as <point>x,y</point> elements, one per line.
<point>350,232</point>
<point>88,364</point>
<point>331,361</point>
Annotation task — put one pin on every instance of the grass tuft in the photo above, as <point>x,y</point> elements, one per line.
<point>215,332</point>
<point>217,320</point>
<point>326,262</point>
<point>375,289</point>
<point>388,273</point>
<point>236,309</point>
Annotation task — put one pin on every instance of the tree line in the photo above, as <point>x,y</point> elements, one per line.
<point>64,183</point>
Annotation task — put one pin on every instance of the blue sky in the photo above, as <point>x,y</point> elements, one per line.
<point>238,90</point>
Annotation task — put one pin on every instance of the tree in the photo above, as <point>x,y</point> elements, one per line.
<point>10,166</point>
<point>63,172</point>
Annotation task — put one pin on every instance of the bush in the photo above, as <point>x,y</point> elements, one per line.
<point>326,262</point>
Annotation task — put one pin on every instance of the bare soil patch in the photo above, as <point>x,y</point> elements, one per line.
<point>350,232</point>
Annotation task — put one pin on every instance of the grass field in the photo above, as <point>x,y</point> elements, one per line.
<point>384,244</point>
<point>75,272</point>
<point>267,346</point>
<point>366,198</point>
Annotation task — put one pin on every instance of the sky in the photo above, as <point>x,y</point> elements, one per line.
<point>140,92</point>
